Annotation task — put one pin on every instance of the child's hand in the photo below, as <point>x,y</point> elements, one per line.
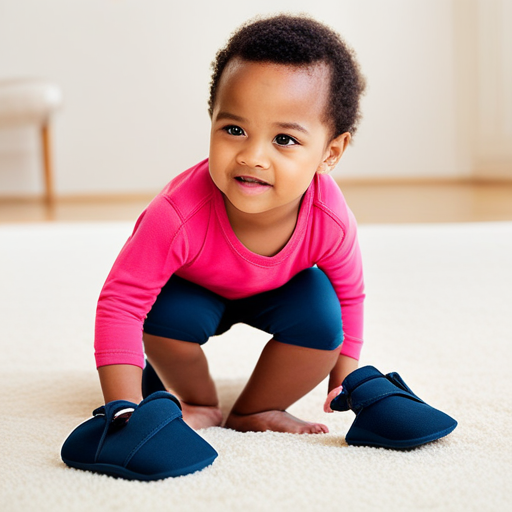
<point>330,397</point>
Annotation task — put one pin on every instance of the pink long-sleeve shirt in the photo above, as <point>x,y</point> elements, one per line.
<point>185,231</point>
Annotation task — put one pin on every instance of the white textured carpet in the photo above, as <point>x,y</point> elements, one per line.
<point>439,311</point>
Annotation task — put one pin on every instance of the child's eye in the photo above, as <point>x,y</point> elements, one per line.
<point>285,140</point>
<point>234,130</point>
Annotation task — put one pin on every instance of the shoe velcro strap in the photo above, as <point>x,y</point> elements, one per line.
<point>118,446</point>
<point>356,378</point>
<point>373,391</point>
<point>395,378</point>
<point>351,382</point>
<point>109,411</point>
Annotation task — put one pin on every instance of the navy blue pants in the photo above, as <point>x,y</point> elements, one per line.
<point>304,312</point>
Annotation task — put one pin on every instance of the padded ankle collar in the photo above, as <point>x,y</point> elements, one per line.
<point>109,410</point>
<point>161,394</point>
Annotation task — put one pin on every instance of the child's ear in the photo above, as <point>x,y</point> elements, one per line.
<point>334,152</point>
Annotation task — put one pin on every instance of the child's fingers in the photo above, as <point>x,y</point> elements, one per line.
<point>330,397</point>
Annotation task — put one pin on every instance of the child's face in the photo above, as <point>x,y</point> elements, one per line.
<point>269,135</point>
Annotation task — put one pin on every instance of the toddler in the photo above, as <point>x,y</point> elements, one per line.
<point>257,233</point>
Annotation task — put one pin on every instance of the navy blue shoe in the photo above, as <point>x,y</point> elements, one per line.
<point>388,413</point>
<point>145,442</point>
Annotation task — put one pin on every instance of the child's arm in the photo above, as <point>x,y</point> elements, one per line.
<point>157,247</point>
<point>343,267</point>
<point>342,263</point>
<point>343,367</point>
<point>121,382</point>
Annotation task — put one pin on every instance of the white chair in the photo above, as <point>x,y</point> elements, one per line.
<point>32,102</point>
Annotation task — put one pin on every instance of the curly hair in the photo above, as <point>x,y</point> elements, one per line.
<point>299,41</point>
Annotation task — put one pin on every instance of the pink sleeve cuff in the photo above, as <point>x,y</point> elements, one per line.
<point>352,347</point>
<point>119,357</point>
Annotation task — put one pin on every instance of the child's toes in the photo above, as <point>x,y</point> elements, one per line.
<point>318,428</point>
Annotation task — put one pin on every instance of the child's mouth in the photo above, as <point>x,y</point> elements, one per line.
<point>250,181</point>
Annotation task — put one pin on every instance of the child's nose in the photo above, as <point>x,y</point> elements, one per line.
<point>254,154</point>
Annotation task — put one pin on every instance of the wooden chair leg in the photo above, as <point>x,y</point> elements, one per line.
<point>47,164</point>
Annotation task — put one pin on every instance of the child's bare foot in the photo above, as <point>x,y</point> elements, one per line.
<point>276,421</point>
<point>201,416</point>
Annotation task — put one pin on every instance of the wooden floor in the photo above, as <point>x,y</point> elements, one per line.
<point>372,204</point>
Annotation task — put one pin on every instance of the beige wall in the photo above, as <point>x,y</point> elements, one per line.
<point>135,79</point>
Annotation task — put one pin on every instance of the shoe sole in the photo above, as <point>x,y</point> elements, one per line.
<point>359,437</point>
<point>120,472</point>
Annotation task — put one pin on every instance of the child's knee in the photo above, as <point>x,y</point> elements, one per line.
<point>313,311</point>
